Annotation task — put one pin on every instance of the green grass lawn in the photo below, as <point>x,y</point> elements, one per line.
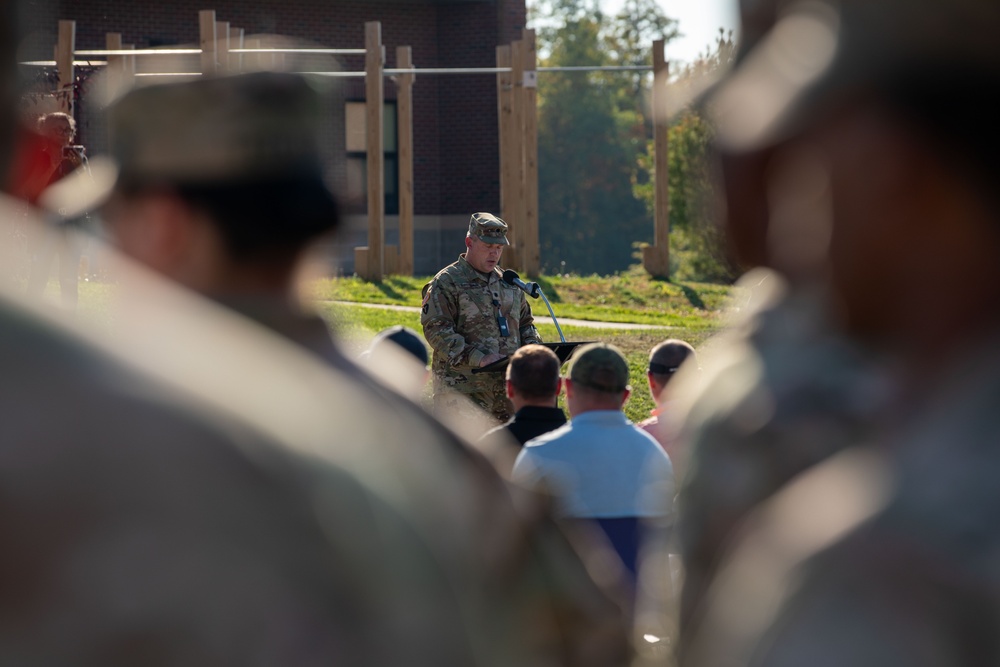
<point>693,309</point>
<point>627,297</point>
<point>356,325</point>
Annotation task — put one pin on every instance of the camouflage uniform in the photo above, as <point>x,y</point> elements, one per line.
<point>904,572</point>
<point>776,396</point>
<point>460,322</point>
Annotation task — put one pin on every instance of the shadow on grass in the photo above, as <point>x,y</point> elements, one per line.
<point>692,296</point>
<point>551,293</point>
<point>388,290</point>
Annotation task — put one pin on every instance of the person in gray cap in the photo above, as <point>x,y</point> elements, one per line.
<point>471,318</point>
<point>886,555</point>
<point>600,466</point>
<point>217,184</point>
<point>145,522</point>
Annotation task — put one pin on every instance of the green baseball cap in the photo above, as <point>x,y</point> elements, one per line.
<point>601,367</point>
<point>488,228</point>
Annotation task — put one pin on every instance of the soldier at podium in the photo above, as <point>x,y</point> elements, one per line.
<point>471,318</point>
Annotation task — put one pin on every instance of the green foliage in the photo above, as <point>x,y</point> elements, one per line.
<point>591,126</point>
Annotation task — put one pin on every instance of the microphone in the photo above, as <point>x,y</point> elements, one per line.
<point>511,278</point>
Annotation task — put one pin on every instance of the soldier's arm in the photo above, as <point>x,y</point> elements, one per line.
<point>438,318</point>
<point>526,324</point>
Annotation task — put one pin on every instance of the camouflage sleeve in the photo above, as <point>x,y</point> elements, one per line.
<point>438,316</point>
<point>526,325</point>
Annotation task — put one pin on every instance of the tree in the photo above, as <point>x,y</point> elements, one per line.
<point>591,126</point>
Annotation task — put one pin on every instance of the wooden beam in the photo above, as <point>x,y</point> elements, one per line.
<point>656,258</point>
<point>508,152</point>
<point>209,56</point>
<point>222,44</point>
<point>64,63</point>
<point>404,139</point>
<point>375,150</point>
<point>518,212</point>
<point>529,235</point>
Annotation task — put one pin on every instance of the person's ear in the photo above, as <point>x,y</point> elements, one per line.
<point>568,384</point>
<point>510,389</point>
<point>559,386</point>
<point>468,243</point>
<point>628,392</point>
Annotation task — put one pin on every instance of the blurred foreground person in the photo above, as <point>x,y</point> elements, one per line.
<point>783,389</point>
<point>533,386</point>
<point>217,184</point>
<point>600,466</point>
<point>884,557</point>
<point>152,517</point>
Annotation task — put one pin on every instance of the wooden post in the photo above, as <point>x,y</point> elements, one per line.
<point>517,214</point>
<point>656,258</point>
<point>375,150</point>
<point>209,56</point>
<point>65,48</point>
<point>222,44</point>
<point>391,260</point>
<point>529,235</point>
<point>131,62</point>
<point>361,261</point>
<point>252,60</point>
<point>119,70</point>
<point>404,134</point>
<point>236,42</point>
<point>508,152</point>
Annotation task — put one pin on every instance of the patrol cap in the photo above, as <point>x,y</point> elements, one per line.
<point>601,367</point>
<point>821,51</point>
<point>488,228</point>
<point>228,129</point>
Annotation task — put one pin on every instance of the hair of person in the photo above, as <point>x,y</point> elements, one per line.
<point>666,357</point>
<point>594,396</point>
<point>534,372</point>
<point>45,119</point>
<point>259,219</point>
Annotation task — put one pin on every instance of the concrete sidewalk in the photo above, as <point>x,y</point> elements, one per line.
<point>540,318</point>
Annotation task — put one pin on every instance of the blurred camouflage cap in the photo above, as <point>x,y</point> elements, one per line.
<point>819,52</point>
<point>601,367</point>
<point>488,228</point>
<point>212,130</point>
<point>225,128</point>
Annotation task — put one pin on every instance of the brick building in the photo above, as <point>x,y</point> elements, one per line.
<point>456,159</point>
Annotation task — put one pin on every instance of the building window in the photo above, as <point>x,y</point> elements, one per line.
<point>357,153</point>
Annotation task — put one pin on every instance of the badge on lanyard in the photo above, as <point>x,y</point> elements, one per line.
<point>501,320</point>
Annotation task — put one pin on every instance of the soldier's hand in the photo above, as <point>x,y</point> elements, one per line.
<point>489,359</point>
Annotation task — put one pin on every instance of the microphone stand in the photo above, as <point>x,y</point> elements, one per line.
<point>552,314</point>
